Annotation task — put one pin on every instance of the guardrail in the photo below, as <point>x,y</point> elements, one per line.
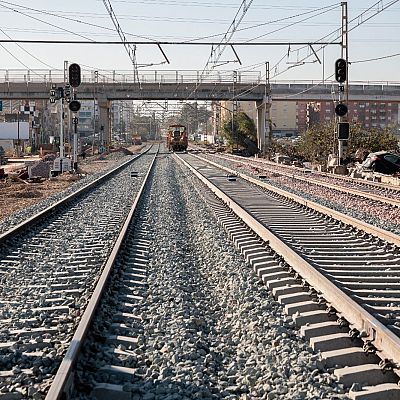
<point>191,77</point>
<point>113,76</point>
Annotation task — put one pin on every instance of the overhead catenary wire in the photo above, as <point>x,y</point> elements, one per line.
<point>265,23</point>
<point>16,58</point>
<point>26,51</point>
<point>220,47</point>
<point>68,19</point>
<point>130,49</point>
<point>45,22</point>
<point>323,45</point>
<point>294,23</point>
<point>46,12</point>
<point>356,26</point>
<point>375,59</point>
<point>358,18</point>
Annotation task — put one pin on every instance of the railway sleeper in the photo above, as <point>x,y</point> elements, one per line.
<point>358,371</point>
<point>387,391</point>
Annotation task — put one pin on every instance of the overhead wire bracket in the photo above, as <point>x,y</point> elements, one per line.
<point>162,51</point>
<point>238,59</point>
<point>315,54</point>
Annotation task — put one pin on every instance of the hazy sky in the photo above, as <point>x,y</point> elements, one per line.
<point>183,20</point>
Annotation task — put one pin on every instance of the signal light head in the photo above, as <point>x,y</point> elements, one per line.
<point>74,75</point>
<point>343,130</point>
<point>341,110</point>
<point>340,70</point>
<point>74,105</point>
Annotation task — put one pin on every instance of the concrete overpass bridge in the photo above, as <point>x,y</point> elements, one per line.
<point>183,85</point>
<point>106,86</point>
<point>152,85</point>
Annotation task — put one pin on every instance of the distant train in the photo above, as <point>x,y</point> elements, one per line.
<point>177,139</point>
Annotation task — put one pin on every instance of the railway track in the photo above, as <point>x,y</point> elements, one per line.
<point>359,187</point>
<point>355,275</point>
<point>48,269</point>
<point>357,204</point>
<point>189,331</point>
<point>162,324</point>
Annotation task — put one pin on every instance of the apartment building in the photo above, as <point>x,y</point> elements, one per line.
<point>292,117</point>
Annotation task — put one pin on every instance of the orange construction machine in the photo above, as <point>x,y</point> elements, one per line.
<point>177,139</point>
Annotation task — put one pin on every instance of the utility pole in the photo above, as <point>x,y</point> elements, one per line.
<point>267,101</point>
<point>235,145</point>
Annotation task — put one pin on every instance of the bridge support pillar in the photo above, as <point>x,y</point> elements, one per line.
<point>263,126</point>
<point>105,121</point>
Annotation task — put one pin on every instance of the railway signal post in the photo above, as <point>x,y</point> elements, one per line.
<point>342,132</point>
<point>74,77</point>
<point>62,93</point>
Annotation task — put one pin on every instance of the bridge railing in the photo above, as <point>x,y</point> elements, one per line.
<point>114,76</point>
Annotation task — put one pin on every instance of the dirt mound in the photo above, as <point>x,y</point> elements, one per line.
<point>124,151</point>
<point>26,194</point>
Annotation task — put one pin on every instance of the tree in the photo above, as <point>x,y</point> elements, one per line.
<point>371,140</point>
<point>244,130</point>
<point>318,141</point>
<point>287,147</point>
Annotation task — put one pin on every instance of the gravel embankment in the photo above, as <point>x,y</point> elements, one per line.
<point>373,212</point>
<point>210,329</point>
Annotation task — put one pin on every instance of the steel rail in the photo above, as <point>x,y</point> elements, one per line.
<point>56,206</point>
<point>63,382</point>
<point>381,233</point>
<point>366,195</point>
<point>360,181</point>
<point>387,343</point>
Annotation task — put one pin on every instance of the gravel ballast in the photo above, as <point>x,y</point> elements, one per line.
<point>115,159</point>
<point>47,275</point>
<point>210,329</point>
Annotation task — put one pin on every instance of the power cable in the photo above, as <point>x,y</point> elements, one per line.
<point>15,57</point>
<point>131,50</point>
<point>359,18</point>
<point>27,52</point>
<point>267,23</point>
<point>374,59</point>
<point>66,18</point>
<point>45,22</point>
<point>293,23</point>
<point>337,31</point>
<point>219,49</point>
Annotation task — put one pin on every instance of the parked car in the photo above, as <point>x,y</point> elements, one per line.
<point>383,162</point>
